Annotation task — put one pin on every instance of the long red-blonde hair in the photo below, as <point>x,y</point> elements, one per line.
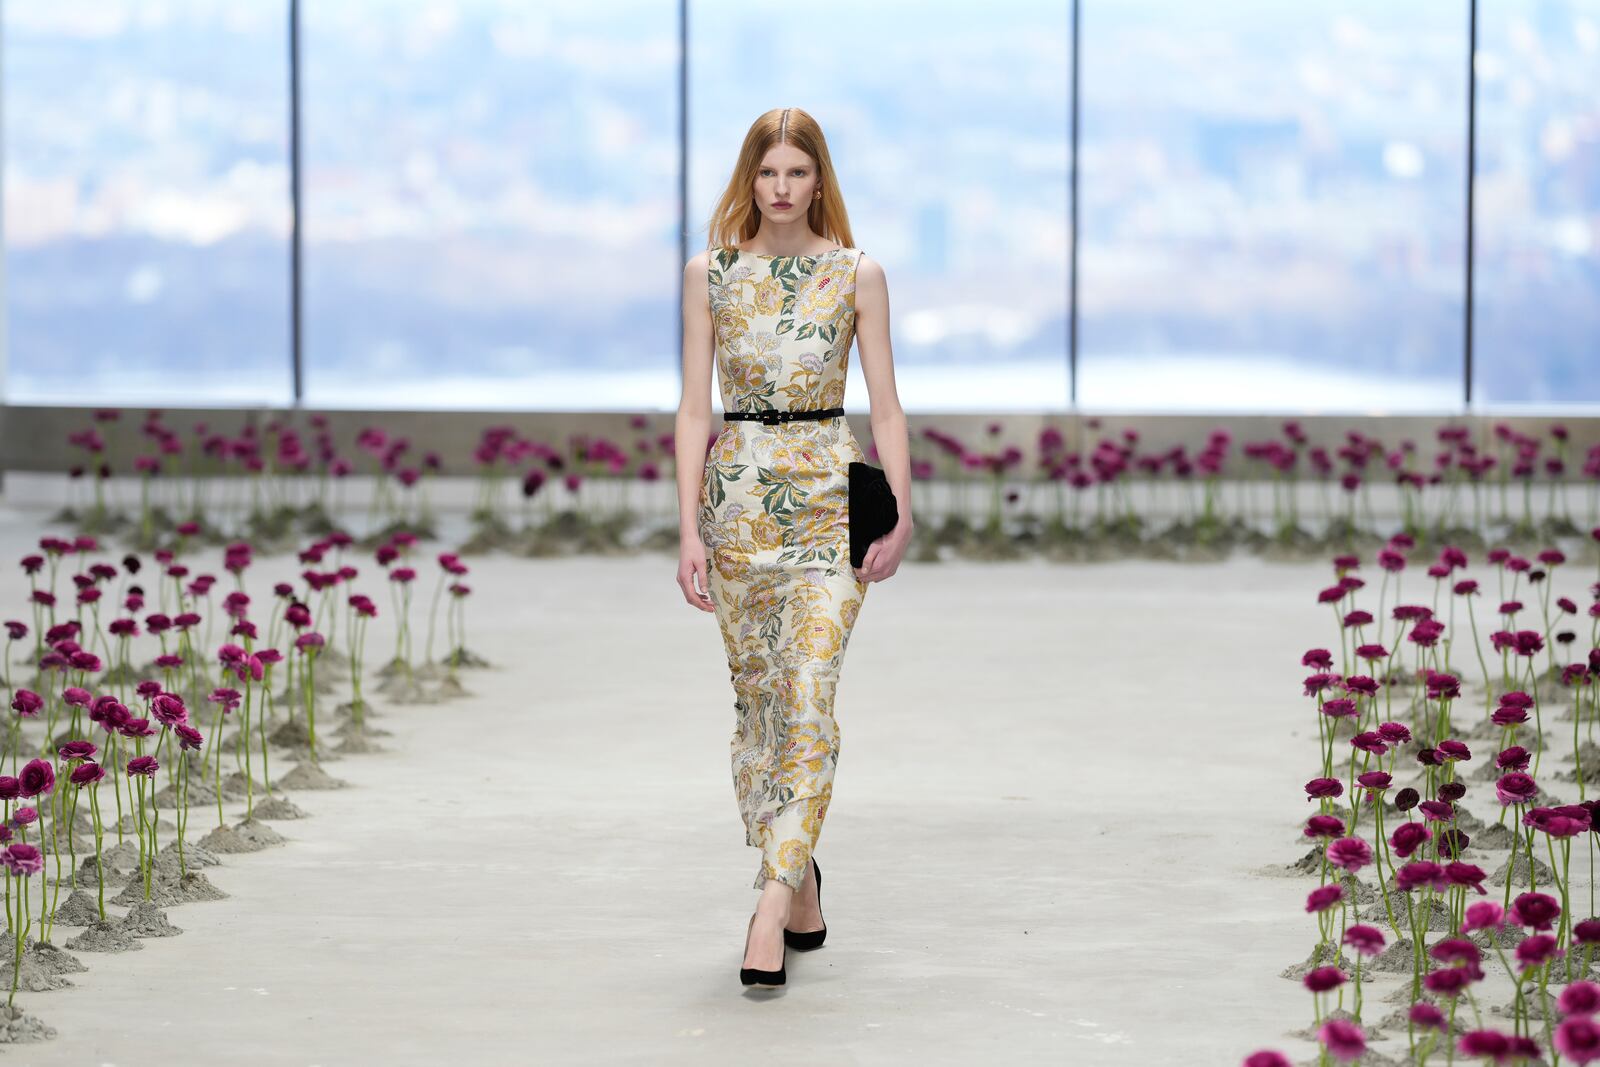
<point>736,217</point>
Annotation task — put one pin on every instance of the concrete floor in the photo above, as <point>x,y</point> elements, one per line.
<point>1055,782</point>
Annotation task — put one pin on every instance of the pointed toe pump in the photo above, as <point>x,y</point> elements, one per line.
<point>809,939</point>
<point>752,976</point>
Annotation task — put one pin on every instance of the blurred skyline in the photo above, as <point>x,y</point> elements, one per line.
<point>1272,199</point>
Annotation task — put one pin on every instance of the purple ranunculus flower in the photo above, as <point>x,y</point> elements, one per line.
<point>23,859</point>
<point>145,765</point>
<point>77,750</point>
<point>1408,837</point>
<point>87,773</point>
<point>37,776</point>
<point>1426,1015</point>
<point>1516,788</point>
<point>188,736</point>
<point>1578,1038</point>
<point>1537,911</point>
<point>1350,853</point>
<point>1579,998</point>
<point>1343,1038</point>
<point>1324,897</point>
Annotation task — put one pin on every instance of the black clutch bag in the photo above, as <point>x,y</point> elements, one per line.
<point>873,510</point>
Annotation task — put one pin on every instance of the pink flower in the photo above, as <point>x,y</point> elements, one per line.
<point>1516,788</point>
<point>1579,998</point>
<point>22,859</point>
<point>1367,940</point>
<point>1535,950</point>
<point>1578,1038</point>
<point>1322,979</point>
<point>145,765</point>
<point>1350,853</point>
<point>87,773</point>
<point>1267,1058</point>
<point>1538,911</point>
<point>1324,897</point>
<point>1426,1015</point>
<point>1343,1038</point>
<point>1482,916</point>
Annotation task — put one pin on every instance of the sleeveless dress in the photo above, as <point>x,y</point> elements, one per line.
<point>772,516</point>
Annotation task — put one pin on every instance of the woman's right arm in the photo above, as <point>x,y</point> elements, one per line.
<point>692,428</point>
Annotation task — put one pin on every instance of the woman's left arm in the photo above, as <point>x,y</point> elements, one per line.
<point>889,433</point>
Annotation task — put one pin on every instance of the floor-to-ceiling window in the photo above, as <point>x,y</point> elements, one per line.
<point>1537,289</point>
<point>1273,202</point>
<point>146,202</point>
<point>947,124</point>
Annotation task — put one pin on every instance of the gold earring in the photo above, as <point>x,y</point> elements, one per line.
<point>817,195</point>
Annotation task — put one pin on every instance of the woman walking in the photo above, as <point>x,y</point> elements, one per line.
<point>775,302</point>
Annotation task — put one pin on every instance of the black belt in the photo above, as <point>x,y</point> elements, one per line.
<point>772,417</point>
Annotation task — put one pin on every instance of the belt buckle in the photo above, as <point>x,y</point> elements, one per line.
<point>771,418</point>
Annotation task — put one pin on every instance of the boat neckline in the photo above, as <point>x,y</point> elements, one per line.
<point>802,255</point>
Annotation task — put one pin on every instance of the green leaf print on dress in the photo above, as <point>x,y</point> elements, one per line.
<point>772,517</point>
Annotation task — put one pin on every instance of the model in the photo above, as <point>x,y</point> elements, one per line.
<point>775,302</point>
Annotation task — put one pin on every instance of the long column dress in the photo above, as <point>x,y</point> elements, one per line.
<point>772,515</point>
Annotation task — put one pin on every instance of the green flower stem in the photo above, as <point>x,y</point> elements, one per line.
<point>100,871</point>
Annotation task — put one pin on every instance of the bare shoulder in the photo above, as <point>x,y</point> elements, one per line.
<point>698,264</point>
<point>870,271</point>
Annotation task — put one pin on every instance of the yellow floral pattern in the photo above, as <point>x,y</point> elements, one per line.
<point>773,516</point>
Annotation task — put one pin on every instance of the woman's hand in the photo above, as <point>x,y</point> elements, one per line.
<point>884,555</point>
<point>692,562</point>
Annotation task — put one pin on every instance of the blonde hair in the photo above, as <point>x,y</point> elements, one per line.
<point>736,216</point>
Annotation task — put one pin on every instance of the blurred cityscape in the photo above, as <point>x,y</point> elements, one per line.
<point>1272,198</point>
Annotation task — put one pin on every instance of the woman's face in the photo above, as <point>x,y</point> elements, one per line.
<point>785,183</point>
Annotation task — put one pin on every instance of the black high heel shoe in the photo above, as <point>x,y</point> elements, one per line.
<point>762,979</point>
<point>809,939</point>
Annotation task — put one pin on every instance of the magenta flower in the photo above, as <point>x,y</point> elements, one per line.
<point>1343,1039</point>
<point>1491,1043</point>
<point>1350,853</point>
<point>87,773</point>
<point>189,738</point>
<point>27,703</point>
<point>73,751</point>
<point>1408,837</point>
<point>1367,940</point>
<point>1437,810</point>
<point>24,816</point>
<point>37,777</point>
<point>1322,979</point>
<point>1579,998</point>
<point>1339,708</point>
<point>1447,981</point>
<point>145,765</point>
<point>1267,1058</point>
<point>1537,911</point>
<point>1324,826</point>
<point>1324,787</point>
<point>1586,932</point>
<point>11,789</point>
<point>1419,873</point>
<point>1394,732</point>
<point>1324,897</point>
<point>168,709</point>
<point>1535,950</point>
<point>1515,758</point>
<point>22,859</point>
<point>1516,788</point>
<point>1578,1038</point>
<point>1426,1015</point>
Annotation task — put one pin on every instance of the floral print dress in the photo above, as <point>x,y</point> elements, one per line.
<point>772,515</point>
